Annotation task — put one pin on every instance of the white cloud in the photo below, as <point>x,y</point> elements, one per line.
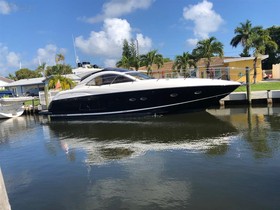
<point>206,20</point>
<point>192,42</point>
<point>6,8</point>
<point>144,43</point>
<point>117,8</point>
<point>110,62</point>
<point>108,42</point>
<point>47,55</point>
<point>8,60</point>
<point>13,59</point>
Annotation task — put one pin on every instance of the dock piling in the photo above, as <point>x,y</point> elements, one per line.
<point>269,100</point>
<point>248,85</point>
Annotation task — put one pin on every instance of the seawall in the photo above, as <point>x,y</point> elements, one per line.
<point>257,97</point>
<point>4,201</point>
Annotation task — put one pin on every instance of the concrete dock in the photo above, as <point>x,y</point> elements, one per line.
<point>257,97</point>
<point>4,200</point>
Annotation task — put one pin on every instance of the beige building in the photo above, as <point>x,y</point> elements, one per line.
<point>232,68</point>
<point>276,71</point>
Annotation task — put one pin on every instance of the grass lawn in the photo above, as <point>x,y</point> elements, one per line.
<point>260,86</point>
<point>36,102</point>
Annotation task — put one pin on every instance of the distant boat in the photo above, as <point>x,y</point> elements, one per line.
<point>11,106</point>
<point>115,92</point>
<point>84,68</point>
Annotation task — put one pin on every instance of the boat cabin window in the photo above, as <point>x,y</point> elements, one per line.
<point>109,79</point>
<point>139,75</point>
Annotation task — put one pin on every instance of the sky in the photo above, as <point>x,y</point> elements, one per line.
<point>32,32</point>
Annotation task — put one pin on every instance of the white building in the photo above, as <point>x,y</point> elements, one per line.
<point>4,81</point>
<point>32,86</point>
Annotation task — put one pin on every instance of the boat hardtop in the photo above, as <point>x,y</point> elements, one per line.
<point>119,75</point>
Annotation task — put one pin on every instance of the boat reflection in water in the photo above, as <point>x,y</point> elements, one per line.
<point>11,128</point>
<point>124,151</point>
<point>106,140</point>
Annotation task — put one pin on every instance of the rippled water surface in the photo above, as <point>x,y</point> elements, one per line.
<point>220,159</point>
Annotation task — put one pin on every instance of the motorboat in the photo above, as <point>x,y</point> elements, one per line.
<point>10,105</point>
<point>115,92</point>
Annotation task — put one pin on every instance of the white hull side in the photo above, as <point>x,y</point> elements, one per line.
<point>11,115</point>
<point>153,84</point>
<point>12,107</point>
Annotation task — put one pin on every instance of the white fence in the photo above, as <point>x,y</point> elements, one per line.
<point>42,97</point>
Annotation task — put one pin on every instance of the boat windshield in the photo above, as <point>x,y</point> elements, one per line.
<point>139,75</point>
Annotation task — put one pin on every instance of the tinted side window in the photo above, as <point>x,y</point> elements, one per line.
<point>108,79</point>
<point>121,79</point>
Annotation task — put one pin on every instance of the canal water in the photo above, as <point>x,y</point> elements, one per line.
<point>219,159</point>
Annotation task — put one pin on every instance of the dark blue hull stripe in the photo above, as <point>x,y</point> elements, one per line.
<point>154,109</point>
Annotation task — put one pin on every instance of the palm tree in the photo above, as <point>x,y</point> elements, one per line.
<point>208,48</point>
<point>183,62</point>
<point>41,69</point>
<point>151,58</point>
<point>59,57</point>
<point>159,61</point>
<point>59,69</point>
<point>243,37</point>
<point>124,62</point>
<point>260,40</point>
<point>12,77</point>
<point>65,83</point>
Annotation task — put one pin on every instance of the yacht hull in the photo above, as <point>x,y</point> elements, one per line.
<point>143,102</point>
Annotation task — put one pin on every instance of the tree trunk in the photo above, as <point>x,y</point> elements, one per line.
<point>255,69</point>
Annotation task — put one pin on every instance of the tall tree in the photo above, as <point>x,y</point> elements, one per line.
<point>243,37</point>
<point>12,77</point>
<point>134,60</point>
<point>130,58</point>
<point>59,57</point>
<point>41,69</point>
<point>64,82</point>
<point>183,62</point>
<point>126,49</point>
<point>124,63</point>
<point>208,48</point>
<point>58,69</point>
<point>26,74</point>
<point>274,55</point>
<point>260,40</point>
<point>151,58</point>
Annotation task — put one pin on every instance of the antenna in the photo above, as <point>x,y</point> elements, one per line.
<point>77,58</point>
